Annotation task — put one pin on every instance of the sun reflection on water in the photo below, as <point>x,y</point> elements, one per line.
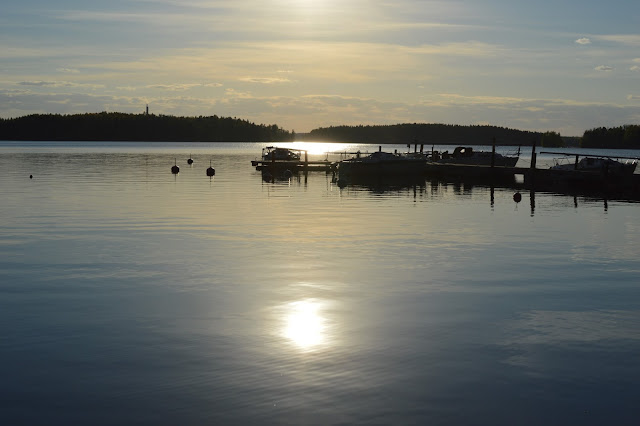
<point>321,148</point>
<point>304,326</point>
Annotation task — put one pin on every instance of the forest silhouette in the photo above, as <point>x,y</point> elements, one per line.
<point>116,126</point>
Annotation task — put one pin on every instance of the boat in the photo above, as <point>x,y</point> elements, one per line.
<point>381,164</point>
<point>281,158</point>
<point>589,174</point>
<point>466,155</point>
<point>603,165</point>
<point>277,159</point>
<point>274,153</point>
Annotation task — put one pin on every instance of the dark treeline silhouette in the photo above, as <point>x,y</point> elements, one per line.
<point>624,137</point>
<point>424,134</point>
<point>116,126</point>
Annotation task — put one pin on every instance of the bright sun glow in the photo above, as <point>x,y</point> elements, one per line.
<point>320,148</point>
<point>304,326</point>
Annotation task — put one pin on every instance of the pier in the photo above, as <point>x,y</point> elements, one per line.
<point>532,178</point>
<point>294,166</point>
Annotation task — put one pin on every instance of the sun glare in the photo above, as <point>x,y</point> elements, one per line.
<point>304,325</point>
<point>320,148</point>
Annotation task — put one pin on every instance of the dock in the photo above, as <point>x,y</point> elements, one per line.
<point>294,166</point>
<point>532,178</point>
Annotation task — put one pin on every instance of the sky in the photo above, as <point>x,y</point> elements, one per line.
<point>563,65</point>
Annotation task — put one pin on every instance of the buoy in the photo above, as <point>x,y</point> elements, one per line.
<point>30,176</point>
<point>287,174</point>
<point>517,197</point>
<point>211,171</point>
<point>189,161</point>
<point>175,169</point>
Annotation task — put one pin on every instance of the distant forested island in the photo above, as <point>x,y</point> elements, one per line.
<point>424,134</point>
<point>116,126</point>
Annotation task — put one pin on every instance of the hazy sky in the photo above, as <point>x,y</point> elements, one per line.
<point>560,65</point>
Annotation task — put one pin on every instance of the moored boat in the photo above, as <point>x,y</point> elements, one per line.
<point>381,163</point>
<point>604,165</point>
<point>467,155</point>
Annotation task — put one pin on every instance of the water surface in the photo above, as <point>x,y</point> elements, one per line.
<point>131,295</point>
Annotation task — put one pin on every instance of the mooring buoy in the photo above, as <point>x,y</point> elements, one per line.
<point>30,176</point>
<point>517,197</point>
<point>211,171</point>
<point>189,161</point>
<point>287,174</point>
<point>175,169</point>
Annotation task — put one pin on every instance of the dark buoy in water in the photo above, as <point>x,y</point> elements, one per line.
<point>175,169</point>
<point>189,161</point>
<point>517,197</point>
<point>211,171</point>
<point>287,174</point>
<point>30,176</point>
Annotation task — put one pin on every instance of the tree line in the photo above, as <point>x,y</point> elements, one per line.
<point>424,134</point>
<point>623,137</point>
<point>116,126</point>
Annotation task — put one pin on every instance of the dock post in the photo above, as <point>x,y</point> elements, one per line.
<point>532,168</point>
<point>575,166</point>
<point>533,155</point>
<point>493,152</point>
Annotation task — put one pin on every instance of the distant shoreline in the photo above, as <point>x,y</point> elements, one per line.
<point>121,127</point>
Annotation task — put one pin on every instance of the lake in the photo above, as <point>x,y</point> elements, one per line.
<point>129,295</point>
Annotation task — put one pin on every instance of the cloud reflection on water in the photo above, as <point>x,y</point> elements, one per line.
<point>539,334</point>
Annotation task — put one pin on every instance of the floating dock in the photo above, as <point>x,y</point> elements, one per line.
<point>294,166</point>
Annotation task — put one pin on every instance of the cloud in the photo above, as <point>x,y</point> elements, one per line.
<point>304,113</point>
<point>626,39</point>
<point>68,70</point>
<point>265,80</point>
<point>173,87</point>
<point>39,83</point>
<point>635,68</point>
<point>605,68</point>
<point>583,41</point>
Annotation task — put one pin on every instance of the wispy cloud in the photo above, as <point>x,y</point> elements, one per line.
<point>605,68</point>
<point>39,83</point>
<point>265,80</point>
<point>68,70</point>
<point>181,86</point>
<point>626,39</point>
<point>304,113</point>
<point>583,41</point>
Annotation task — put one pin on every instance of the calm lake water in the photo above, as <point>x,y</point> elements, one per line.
<point>129,295</point>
